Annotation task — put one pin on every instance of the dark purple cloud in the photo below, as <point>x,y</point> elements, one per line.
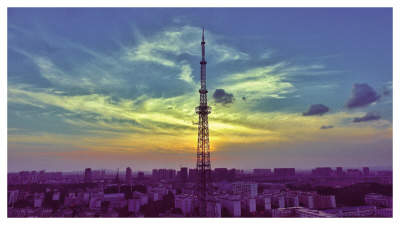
<point>220,96</point>
<point>361,96</point>
<point>368,117</point>
<point>317,109</point>
<point>326,127</point>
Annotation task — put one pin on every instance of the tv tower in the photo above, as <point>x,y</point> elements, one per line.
<point>203,166</point>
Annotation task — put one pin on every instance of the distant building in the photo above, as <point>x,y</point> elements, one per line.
<point>245,189</point>
<point>140,175</point>
<point>154,174</point>
<point>232,175</point>
<point>221,174</point>
<point>353,173</point>
<point>322,171</point>
<point>339,171</point>
<point>162,174</point>
<point>128,176</point>
<point>95,174</point>
<point>192,175</point>
<point>284,172</point>
<point>262,172</point>
<point>184,174</point>
<point>88,175</point>
<point>171,174</point>
<point>366,171</point>
<point>102,173</point>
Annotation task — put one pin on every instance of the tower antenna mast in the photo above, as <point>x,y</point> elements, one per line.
<point>203,165</point>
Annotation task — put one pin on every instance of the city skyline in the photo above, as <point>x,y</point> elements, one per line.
<point>289,87</point>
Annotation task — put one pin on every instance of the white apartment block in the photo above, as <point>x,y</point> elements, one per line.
<point>73,200</point>
<point>114,199</point>
<point>278,201</point>
<point>217,209</point>
<point>38,202</point>
<point>292,201</point>
<point>248,204</point>
<point>184,202</point>
<point>161,192</point>
<point>245,189</point>
<point>134,205</point>
<point>306,200</point>
<point>144,199</point>
<point>233,206</point>
<point>153,196</point>
<point>56,196</point>
<point>264,201</point>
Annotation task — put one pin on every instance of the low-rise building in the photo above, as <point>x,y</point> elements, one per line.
<point>378,200</point>
<point>299,212</point>
<point>358,211</point>
<point>384,212</point>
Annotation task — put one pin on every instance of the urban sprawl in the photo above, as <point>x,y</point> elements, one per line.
<point>280,192</point>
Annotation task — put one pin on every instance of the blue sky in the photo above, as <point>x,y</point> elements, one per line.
<point>117,87</point>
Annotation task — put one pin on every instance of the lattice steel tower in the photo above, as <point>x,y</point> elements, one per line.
<point>204,188</point>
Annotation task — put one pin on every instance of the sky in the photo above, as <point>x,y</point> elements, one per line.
<point>109,88</point>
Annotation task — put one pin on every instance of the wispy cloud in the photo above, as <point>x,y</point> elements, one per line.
<point>258,83</point>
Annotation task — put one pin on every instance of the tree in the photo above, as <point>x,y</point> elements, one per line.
<point>177,211</point>
<point>225,212</point>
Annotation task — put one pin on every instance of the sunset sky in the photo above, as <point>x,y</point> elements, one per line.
<point>117,87</point>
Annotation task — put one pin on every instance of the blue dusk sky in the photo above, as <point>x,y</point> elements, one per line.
<point>117,87</point>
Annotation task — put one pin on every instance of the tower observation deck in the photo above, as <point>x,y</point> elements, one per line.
<point>206,202</point>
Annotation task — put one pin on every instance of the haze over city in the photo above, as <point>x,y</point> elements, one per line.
<point>108,88</point>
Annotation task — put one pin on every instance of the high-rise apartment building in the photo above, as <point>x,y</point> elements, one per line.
<point>322,171</point>
<point>140,175</point>
<point>221,174</point>
<point>88,175</point>
<point>366,171</point>
<point>184,174</point>
<point>154,174</point>
<point>262,172</point>
<point>192,175</point>
<point>232,175</point>
<point>128,176</point>
<point>339,171</point>
<point>284,172</point>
